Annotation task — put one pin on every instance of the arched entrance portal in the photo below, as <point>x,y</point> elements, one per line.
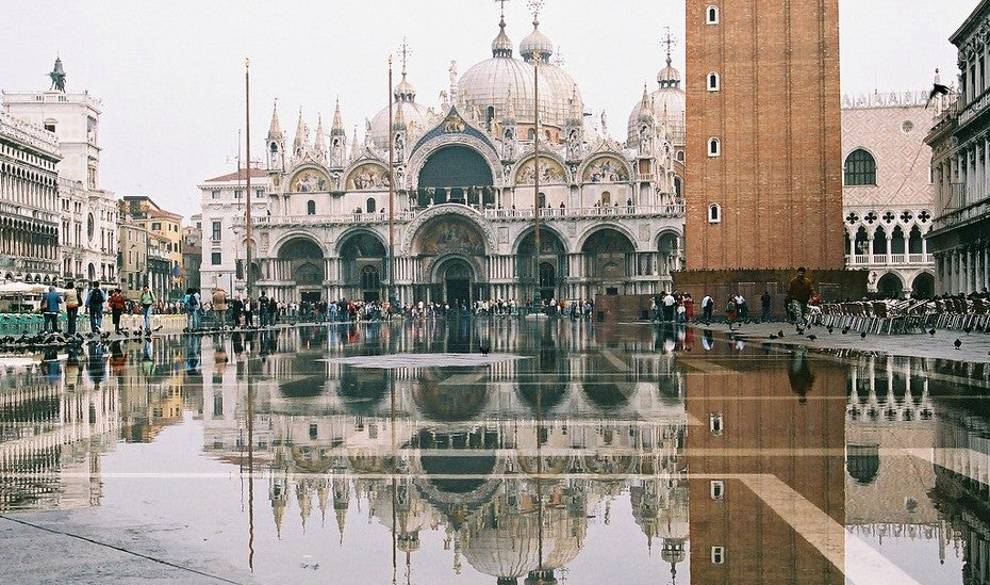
<point>608,259</point>
<point>456,277</point>
<point>456,174</point>
<point>303,259</point>
<point>451,251</point>
<point>548,280</point>
<point>362,267</point>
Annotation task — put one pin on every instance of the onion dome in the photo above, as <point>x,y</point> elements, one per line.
<point>502,45</point>
<point>536,43</point>
<point>669,104</point>
<point>415,116</point>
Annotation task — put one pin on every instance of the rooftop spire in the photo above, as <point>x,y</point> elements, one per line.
<point>338,124</point>
<point>321,143</point>
<point>502,45</point>
<point>275,129</point>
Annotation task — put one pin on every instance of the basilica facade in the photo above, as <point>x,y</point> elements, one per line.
<point>466,172</point>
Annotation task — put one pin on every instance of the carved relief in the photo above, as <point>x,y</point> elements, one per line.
<point>309,181</point>
<point>550,172</point>
<point>368,176</point>
<point>605,170</point>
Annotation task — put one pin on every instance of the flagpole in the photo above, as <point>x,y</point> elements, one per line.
<point>391,189</point>
<point>537,297</point>
<point>247,137</point>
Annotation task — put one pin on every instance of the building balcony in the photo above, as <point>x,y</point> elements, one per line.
<point>620,211</point>
<point>957,218</point>
<point>863,260</point>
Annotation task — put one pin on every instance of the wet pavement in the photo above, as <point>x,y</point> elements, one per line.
<point>570,453</point>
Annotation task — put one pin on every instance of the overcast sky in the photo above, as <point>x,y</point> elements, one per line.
<point>170,74</point>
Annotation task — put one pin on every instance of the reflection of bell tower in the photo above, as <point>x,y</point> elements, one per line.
<point>278,495</point>
<point>341,502</point>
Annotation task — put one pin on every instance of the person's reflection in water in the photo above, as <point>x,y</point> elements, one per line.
<point>667,340</point>
<point>707,340</point>
<point>800,376</point>
<point>192,353</point>
<point>118,361</point>
<point>219,350</point>
<point>97,364</point>
<point>53,368</point>
<point>237,342</point>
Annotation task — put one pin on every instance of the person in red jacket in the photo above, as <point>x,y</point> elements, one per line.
<point>117,304</point>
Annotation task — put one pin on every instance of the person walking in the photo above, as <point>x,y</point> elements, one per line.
<point>668,306</point>
<point>798,296</point>
<point>766,306</point>
<point>147,301</point>
<point>220,307</point>
<point>73,299</point>
<point>263,310</point>
<point>94,305</point>
<point>117,304</point>
<point>688,307</point>
<point>236,308</point>
<point>248,312</point>
<point>707,308</point>
<point>191,301</point>
<point>51,304</point>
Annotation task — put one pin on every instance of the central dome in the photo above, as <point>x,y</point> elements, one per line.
<point>491,84</point>
<point>669,104</point>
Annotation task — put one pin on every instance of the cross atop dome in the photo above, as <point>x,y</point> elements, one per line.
<point>669,76</point>
<point>404,51</point>
<point>502,45</point>
<point>404,91</point>
<point>670,41</point>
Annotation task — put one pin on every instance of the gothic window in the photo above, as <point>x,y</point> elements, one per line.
<point>861,168</point>
<point>711,15</point>
<point>714,147</point>
<point>713,82</point>
<point>677,186</point>
<point>369,205</point>
<point>714,213</point>
<point>717,488</point>
<point>680,155</point>
<point>311,207</point>
<point>716,424</point>
<point>718,555</point>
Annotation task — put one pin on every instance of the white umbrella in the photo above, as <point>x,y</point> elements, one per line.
<point>16,288</point>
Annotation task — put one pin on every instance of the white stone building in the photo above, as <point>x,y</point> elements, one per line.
<point>222,227</point>
<point>611,213</point>
<point>88,214</point>
<point>887,193</point>
<point>29,206</point>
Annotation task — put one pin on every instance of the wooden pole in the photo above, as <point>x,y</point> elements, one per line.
<point>537,297</point>
<point>391,190</point>
<point>247,136</point>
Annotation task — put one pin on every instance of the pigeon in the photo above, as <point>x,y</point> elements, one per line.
<point>968,330</point>
<point>937,90</point>
<point>931,332</point>
<point>830,330</point>
<point>862,335</point>
<point>484,348</point>
<point>846,329</point>
<point>772,336</point>
<point>812,337</point>
<point>780,333</point>
<point>957,343</point>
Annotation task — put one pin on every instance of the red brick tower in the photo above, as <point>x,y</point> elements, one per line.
<point>764,172</point>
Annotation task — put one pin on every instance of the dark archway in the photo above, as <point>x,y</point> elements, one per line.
<point>452,170</point>
<point>890,286</point>
<point>923,286</point>
<point>552,263</point>
<point>607,255</point>
<point>363,258</point>
<point>306,265</point>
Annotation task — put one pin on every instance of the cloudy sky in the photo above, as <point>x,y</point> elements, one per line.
<point>170,74</point>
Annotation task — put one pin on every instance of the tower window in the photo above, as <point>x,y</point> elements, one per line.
<point>714,147</point>
<point>715,423</point>
<point>714,213</point>
<point>718,555</point>
<point>713,82</point>
<point>311,207</point>
<point>717,490</point>
<point>861,168</point>
<point>711,15</point>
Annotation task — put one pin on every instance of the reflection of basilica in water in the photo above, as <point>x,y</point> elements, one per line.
<point>465,196</point>
<point>518,470</point>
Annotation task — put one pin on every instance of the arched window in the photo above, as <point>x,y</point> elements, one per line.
<point>311,207</point>
<point>713,82</point>
<point>542,200</point>
<point>861,168</point>
<point>370,278</point>
<point>711,15</point>
<point>714,213</point>
<point>680,155</point>
<point>714,147</point>
<point>369,205</point>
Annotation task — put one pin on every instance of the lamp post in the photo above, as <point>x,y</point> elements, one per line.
<point>391,191</point>
<point>535,6</point>
<point>247,178</point>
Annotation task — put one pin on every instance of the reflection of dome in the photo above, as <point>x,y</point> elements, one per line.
<point>492,82</point>
<point>448,403</point>
<point>362,389</point>
<point>669,103</point>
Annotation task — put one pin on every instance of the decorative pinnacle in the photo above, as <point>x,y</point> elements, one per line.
<point>404,51</point>
<point>535,6</point>
<point>502,9</point>
<point>670,41</point>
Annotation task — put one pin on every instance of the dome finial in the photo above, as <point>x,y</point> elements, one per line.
<point>537,46</point>
<point>670,41</point>
<point>502,45</point>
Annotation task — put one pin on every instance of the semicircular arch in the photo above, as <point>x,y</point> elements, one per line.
<point>617,167</point>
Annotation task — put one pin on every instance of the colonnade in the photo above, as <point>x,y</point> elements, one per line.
<point>965,269</point>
